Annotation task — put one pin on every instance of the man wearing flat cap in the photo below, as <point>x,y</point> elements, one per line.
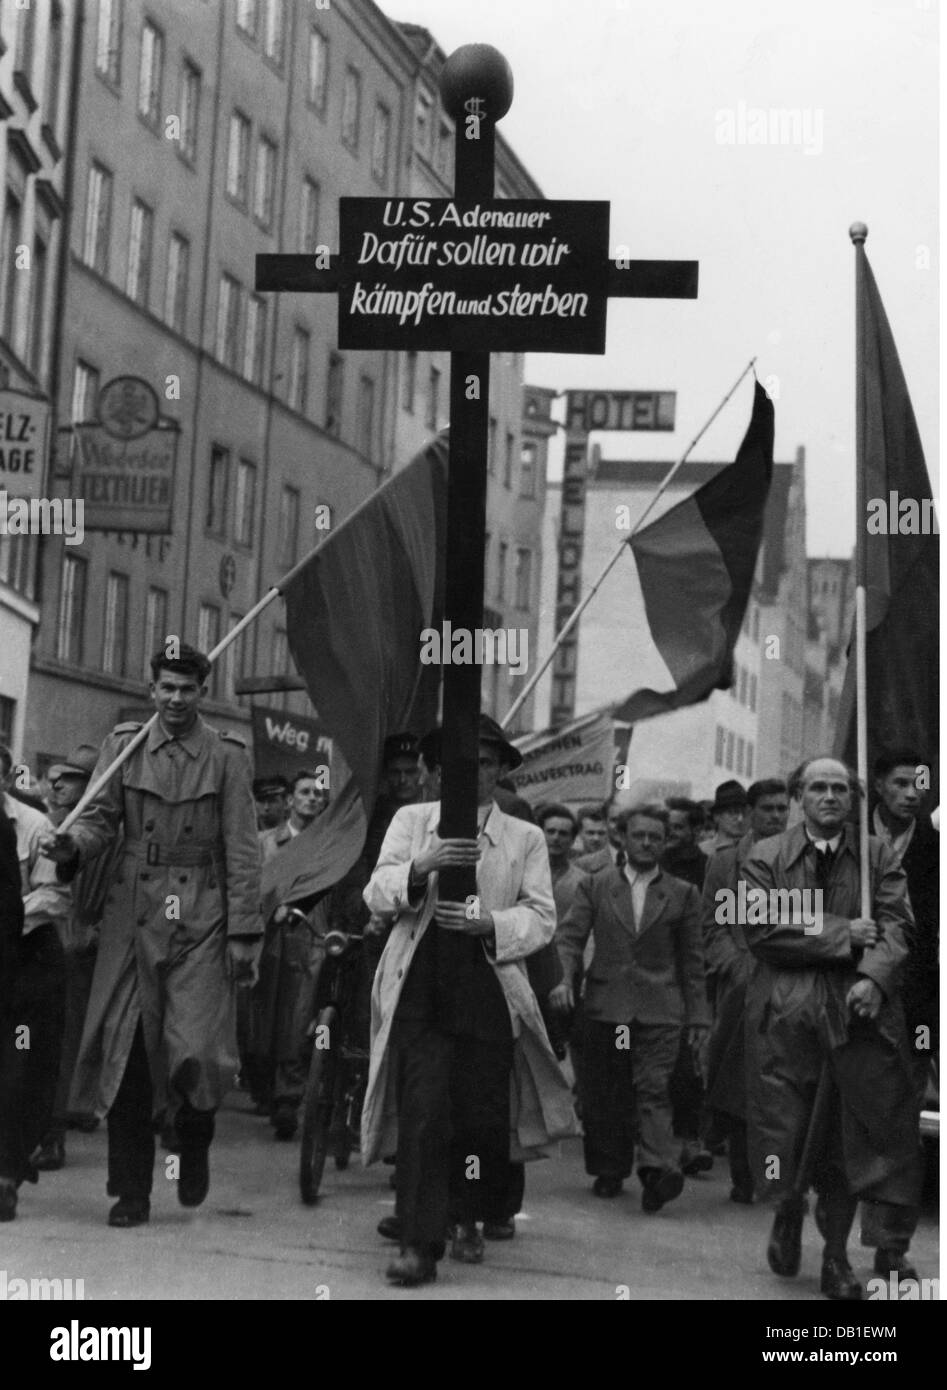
<point>453,1016</point>
<point>271,795</point>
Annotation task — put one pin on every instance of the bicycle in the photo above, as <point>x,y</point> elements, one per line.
<point>338,1068</point>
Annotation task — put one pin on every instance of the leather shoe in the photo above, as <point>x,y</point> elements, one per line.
<point>742,1194</point>
<point>661,1185</point>
<point>50,1156</point>
<point>696,1159</point>
<point>194,1175</point>
<point>607,1187</point>
<point>838,1280</point>
<point>411,1268</point>
<point>130,1211</point>
<point>7,1199</point>
<point>389,1228</point>
<point>499,1230</point>
<point>466,1244</point>
<point>784,1251</point>
<point>284,1120</point>
<point>894,1262</point>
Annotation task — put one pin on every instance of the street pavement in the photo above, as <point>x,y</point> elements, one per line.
<point>253,1238</point>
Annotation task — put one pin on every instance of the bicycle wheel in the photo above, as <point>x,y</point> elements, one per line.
<point>318,1104</point>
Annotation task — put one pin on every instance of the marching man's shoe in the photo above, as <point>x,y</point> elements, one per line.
<point>838,1280</point>
<point>389,1228</point>
<point>412,1267</point>
<point>51,1155</point>
<point>784,1251</point>
<point>661,1185</point>
<point>607,1187</point>
<point>894,1262</point>
<point>499,1230</point>
<point>466,1244</point>
<point>194,1175</point>
<point>130,1211</point>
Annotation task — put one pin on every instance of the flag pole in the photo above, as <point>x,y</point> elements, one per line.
<point>858,233</point>
<point>580,608</point>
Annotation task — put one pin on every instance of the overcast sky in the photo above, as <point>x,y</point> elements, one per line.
<point>631,101</point>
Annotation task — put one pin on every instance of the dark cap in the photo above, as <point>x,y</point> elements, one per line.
<point>399,746</point>
<point>274,785</point>
<point>80,763</point>
<point>730,796</point>
<point>490,732</point>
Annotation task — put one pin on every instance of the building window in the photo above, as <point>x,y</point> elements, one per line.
<point>351,108</point>
<point>108,41</point>
<point>17,565</point>
<point>288,526</point>
<point>7,719</point>
<point>366,416</point>
<point>741,688</point>
<point>728,755</point>
<point>528,471</point>
<point>718,747</point>
<point>98,219</point>
<point>501,570</point>
<point>70,628</point>
<point>238,157</point>
<point>175,286</point>
<point>422,124</point>
<point>138,274</point>
<point>38,274</point>
<point>756,624</point>
<point>115,641</point>
<point>318,73</point>
<point>749,759</point>
<point>753,690</point>
<point>442,151</point>
<point>12,228</point>
<point>741,749</point>
<point>381,136</point>
<point>492,446</point>
<point>274,29</point>
<point>433,398</point>
<point>208,635</point>
<point>335,384</point>
<point>524,577</point>
<point>85,391</point>
<point>215,520</point>
<point>248,16</point>
<point>299,369</point>
<point>309,218</point>
<point>410,382</point>
<point>228,321</point>
<point>189,104</point>
<point>156,625</point>
<point>51,93</point>
<point>508,460</point>
<point>25,38</point>
<point>244,503</point>
<point>254,339</point>
<point>264,185</point>
<point>149,73</point>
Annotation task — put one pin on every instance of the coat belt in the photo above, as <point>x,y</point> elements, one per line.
<point>177,855</point>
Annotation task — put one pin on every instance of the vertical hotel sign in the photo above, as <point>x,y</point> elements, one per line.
<point>587,411</point>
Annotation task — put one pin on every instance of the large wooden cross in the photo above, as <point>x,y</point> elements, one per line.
<point>473,275</point>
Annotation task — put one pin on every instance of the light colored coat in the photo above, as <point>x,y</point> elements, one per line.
<point>514,885</point>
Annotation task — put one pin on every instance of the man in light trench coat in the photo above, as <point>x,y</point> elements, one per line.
<point>455,1024</point>
<point>181,923</point>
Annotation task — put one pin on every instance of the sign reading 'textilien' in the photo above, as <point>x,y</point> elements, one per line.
<point>492,276</point>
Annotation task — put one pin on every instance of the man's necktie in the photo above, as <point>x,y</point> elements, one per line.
<point>824,859</point>
<point>621,859</point>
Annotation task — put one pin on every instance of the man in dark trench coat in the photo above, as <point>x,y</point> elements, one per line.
<point>182,921</point>
<point>823,999</point>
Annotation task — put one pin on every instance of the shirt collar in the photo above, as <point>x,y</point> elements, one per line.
<point>491,826</point>
<point>191,742</point>
<point>641,875</point>
<point>798,841</point>
<point>898,843</point>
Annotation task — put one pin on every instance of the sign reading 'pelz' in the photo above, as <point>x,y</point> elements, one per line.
<point>497,275</point>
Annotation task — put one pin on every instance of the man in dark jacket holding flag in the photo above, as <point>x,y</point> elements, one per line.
<point>824,1006</point>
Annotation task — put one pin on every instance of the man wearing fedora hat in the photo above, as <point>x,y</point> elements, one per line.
<point>67,782</point>
<point>729,816</point>
<point>453,1015</point>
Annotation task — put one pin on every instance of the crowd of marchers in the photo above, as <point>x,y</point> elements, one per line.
<point>595,989</point>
